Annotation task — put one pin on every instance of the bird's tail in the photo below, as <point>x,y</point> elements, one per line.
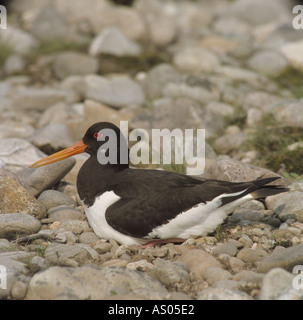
<point>264,190</point>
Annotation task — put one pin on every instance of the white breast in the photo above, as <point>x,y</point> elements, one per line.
<point>96,218</point>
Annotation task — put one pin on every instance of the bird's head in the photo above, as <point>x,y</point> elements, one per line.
<point>100,136</point>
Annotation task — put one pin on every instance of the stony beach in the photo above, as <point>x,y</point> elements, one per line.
<point>233,68</point>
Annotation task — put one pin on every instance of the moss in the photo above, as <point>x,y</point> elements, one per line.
<point>129,64</point>
<point>173,167</point>
<point>58,45</point>
<point>291,79</point>
<point>5,52</point>
<point>271,140</point>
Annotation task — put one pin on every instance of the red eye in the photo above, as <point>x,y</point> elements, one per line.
<point>97,135</point>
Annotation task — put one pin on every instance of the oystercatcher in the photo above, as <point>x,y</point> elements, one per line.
<point>136,206</point>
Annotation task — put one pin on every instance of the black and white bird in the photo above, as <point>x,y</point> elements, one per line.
<point>142,206</point>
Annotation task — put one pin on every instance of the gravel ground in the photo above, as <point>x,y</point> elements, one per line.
<point>231,67</point>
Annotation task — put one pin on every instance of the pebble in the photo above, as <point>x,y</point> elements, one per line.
<point>248,276</point>
<point>74,63</point>
<point>39,179</point>
<point>251,255</point>
<point>37,99</point>
<point>15,129</point>
<point>275,283</point>
<point>120,91</point>
<point>88,238</point>
<point>293,204</point>
<point>15,198</point>
<point>103,247</point>
<point>227,248</point>
<point>285,111</point>
<point>223,294</point>
<point>271,63</point>
<point>174,64</point>
<point>53,198</point>
<point>20,41</point>
<point>75,226</point>
<point>198,261</point>
<point>293,52</point>
<point>256,12</point>
<point>39,262</point>
<point>111,40</point>
<point>237,171</point>
<point>13,225</point>
<point>170,273</point>
<point>64,213</point>
<point>55,135</point>
<point>18,153</point>
<point>194,59</point>
<point>214,274</point>
<point>140,265</point>
<point>236,264</point>
<point>66,254</point>
<point>18,290</point>
<point>92,283</point>
<point>285,258</point>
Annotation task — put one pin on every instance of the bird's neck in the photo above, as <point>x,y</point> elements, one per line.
<point>93,178</point>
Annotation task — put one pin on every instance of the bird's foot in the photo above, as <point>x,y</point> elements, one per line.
<point>160,242</point>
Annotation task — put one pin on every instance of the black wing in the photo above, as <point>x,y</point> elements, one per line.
<point>150,198</point>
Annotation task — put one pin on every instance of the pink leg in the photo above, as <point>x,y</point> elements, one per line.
<point>160,242</point>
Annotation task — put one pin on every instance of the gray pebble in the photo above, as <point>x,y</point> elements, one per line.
<point>53,198</point>
<point>227,248</point>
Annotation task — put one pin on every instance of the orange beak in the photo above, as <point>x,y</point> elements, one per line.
<point>75,149</point>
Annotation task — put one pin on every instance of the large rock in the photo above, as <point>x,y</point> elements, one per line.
<point>285,258</point>
<point>88,282</point>
<point>39,179</point>
<point>20,41</point>
<point>15,198</point>
<point>55,135</point>
<point>237,171</point>
<point>13,225</point>
<point>18,153</point>
<point>292,202</point>
<point>118,92</point>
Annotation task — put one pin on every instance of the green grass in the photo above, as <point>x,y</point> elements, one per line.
<point>291,79</point>
<point>5,52</point>
<point>58,45</point>
<point>132,65</point>
<point>271,140</point>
